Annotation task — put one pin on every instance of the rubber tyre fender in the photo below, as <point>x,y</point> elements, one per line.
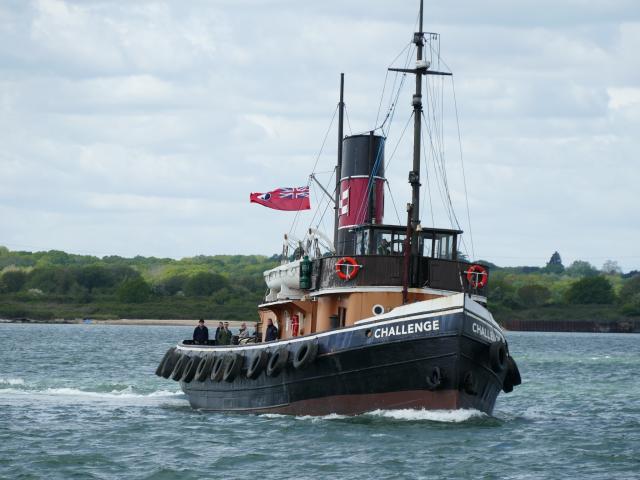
<point>513,373</point>
<point>498,356</point>
<point>179,368</point>
<point>170,363</point>
<point>277,362</point>
<point>305,355</point>
<point>434,379</point>
<point>468,383</point>
<point>166,356</point>
<point>233,367</point>
<point>257,364</point>
<point>204,368</point>
<point>190,369</point>
<point>507,386</point>
<point>217,371</point>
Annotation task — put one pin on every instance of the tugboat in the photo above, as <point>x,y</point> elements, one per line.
<point>383,317</point>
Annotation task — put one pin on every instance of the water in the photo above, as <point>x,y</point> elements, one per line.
<point>81,401</point>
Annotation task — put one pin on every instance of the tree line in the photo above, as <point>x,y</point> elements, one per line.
<point>229,286</point>
<point>521,288</point>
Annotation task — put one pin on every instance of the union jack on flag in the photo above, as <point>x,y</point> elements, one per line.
<point>294,198</point>
<point>298,192</point>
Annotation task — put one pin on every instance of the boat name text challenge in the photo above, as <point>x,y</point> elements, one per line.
<point>417,327</point>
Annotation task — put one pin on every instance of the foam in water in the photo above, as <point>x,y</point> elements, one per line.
<point>446,416</point>
<point>122,396</point>
<point>11,381</point>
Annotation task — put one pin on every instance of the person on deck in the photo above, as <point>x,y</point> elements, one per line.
<point>244,331</point>
<point>383,248</point>
<point>243,334</point>
<point>201,333</point>
<point>272,332</point>
<point>224,336</point>
<point>217,334</point>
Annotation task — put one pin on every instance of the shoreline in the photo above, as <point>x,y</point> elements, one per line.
<point>537,325</point>
<point>126,321</point>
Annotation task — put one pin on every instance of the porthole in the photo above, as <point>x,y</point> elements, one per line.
<point>377,309</point>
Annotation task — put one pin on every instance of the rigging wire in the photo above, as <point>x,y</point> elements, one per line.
<point>464,177</point>
<point>385,81</point>
<point>294,224</point>
<point>324,199</point>
<point>453,219</point>
<point>392,199</point>
<point>398,142</point>
<point>346,112</point>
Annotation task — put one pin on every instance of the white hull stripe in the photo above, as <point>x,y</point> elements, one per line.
<point>372,323</point>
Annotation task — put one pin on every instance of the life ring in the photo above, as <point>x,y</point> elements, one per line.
<point>204,368</point>
<point>351,265</point>
<point>179,368</point>
<point>498,356</point>
<point>234,365</point>
<point>166,356</point>
<point>434,379</point>
<point>477,276</point>
<point>305,355</point>
<point>190,369</point>
<point>257,365</point>
<point>277,362</point>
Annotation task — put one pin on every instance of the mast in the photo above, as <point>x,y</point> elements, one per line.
<point>421,68</point>
<point>414,174</point>
<point>338,196</point>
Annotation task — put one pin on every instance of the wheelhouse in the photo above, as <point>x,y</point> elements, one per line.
<point>436,243</point>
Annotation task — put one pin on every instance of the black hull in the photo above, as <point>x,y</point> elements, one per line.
<point>357,370</point>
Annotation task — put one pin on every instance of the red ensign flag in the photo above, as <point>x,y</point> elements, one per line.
<point>284,198</point>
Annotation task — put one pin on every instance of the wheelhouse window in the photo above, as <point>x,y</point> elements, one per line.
<point>388,242</point>
<point>362,242</point>
<point>443,246</point>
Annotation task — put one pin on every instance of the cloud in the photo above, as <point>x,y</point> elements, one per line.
<point>141,127</point>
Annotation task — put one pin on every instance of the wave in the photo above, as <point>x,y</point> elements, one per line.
<point>444,416</point>
<point>119,396</point>
<point>11,381</point>
<point>127,393</point>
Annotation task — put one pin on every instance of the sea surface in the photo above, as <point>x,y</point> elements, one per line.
<point>82,401</point>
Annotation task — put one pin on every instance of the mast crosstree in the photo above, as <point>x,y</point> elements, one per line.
<point>421,68</point>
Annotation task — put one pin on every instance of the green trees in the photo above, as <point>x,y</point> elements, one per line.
<point>51,279</point>
<point>204,284</point>
<point>580,268</point>
<point>12,281</point>
<point>554,265</point>
<point>133,290</point>
<point>629,296</point>
<point>533,295</point>
<point>611,267</point>
<point>591,290</point>
<point>94,276</point>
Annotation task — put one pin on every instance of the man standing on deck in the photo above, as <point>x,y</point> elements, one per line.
<point>272,332</point>
<point>224,336</point>
<point>218,330</point>
<point>201,333</point>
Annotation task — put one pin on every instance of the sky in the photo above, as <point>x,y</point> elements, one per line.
<point>140,128</point>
